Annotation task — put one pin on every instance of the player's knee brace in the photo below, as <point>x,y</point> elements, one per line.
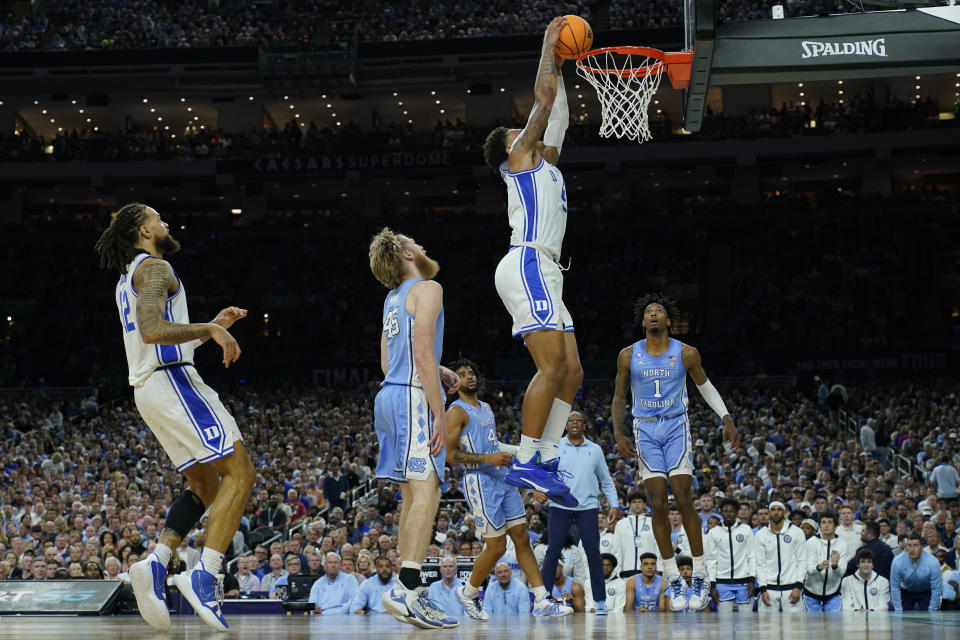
<point>185,512</point>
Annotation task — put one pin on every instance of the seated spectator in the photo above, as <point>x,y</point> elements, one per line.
<point>279,588</point>
<point>92,570</point>
<point>247,581</point>
<point>443,590</point>
<point>865,589</point>
<point>297,509</point>
<point>269,580</point>
<point>333,592</point>
<point>368,596</point>
<point>506,595</point>
<point>882,556</point>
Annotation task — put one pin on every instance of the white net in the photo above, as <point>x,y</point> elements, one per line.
<point>624,94</point>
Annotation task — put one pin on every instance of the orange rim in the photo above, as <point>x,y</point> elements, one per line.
<point>677,64</point>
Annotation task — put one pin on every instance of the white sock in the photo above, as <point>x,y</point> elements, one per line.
<point>539,593</point>
<point>553,430</point>
<point>528,448</point>
<point>211,560</point>
<point>163,553</point>
<point>670,569</point>
<point>470,591</point>
<point>698,566</point>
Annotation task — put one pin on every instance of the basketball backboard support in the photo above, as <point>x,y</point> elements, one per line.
<point>835,47</point>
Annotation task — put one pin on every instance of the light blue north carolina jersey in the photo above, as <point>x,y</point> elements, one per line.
<point>659,384</point>
<point>480,436</point>
<point>398,328</point>
<point>644,596</point>
<point>536,207</point>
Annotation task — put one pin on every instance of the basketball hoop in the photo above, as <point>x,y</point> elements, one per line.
<point>625,79</point>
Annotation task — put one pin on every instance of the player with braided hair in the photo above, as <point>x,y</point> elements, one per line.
<point>186,416</point>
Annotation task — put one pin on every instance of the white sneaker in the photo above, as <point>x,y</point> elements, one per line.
<point>149,580</point>
<point>406,607</point>
<point>700,592</point>
<point>473,606</point>
<point>678,600</point>
<point>551,607</point>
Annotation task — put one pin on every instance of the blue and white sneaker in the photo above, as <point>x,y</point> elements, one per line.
<point>149,581</point>
<point>433,608</point>
<point>700,592</point>
<point>473,606</point>
<point>543,477</point>
<point>678,600</point>
<point>204,592</point>
<point>550,607</point>
<point>602,608</point>
<point>406,607</point>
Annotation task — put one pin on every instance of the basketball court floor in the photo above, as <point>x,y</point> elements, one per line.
<point>842,626</point>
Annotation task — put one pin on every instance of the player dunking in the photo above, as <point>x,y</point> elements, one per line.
<point>185,415</point>
<point>496,506</point>
<point>529,279</point>
<point>409,415</point>
<point>656,368</point>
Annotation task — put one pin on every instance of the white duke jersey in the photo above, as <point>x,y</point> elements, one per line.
<point>143,358</point>
<point>536,207</point>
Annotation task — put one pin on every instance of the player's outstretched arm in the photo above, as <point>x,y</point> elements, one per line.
<point>694,366</point>
<point>524,151</point>
<point>557,125</point>
<point>618,408</point>
<point>153,281</point>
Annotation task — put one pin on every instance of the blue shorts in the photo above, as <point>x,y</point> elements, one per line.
<point>403,422</point>
<point>832,605</point>
<point>663,446</point>
<point>496,506</point>
<point>736,592</point>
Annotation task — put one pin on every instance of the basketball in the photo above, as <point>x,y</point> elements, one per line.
<point>575,38</point>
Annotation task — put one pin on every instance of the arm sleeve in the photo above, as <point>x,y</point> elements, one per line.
<point>712,396</point>
<point>751,556</point>
<point>512,449</point>
<point>760,561</point>
<point>936,588</point>
<point>895,588</point>
<point>315,593</point>
<point>710,551</point>
<point>558,120</point>
<point>846,594</point>
<point>813,558</point>
<point>521,600</point>
<point>359,600</point>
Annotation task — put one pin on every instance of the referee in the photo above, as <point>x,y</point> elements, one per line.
<point>584,469</point>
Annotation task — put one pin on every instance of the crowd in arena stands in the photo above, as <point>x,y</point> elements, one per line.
<point>84,493</point>
<point>783,302</point>
<point>62,25</point>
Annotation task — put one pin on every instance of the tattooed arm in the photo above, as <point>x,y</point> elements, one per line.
<point>618,408</point>
<point>154,281</point>
<point>456,420</point>
<point>524,153</point>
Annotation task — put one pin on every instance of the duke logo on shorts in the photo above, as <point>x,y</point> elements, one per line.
<point>660,425</point>
<point>528,278</point>
<point>402,416</point>
<point>496,506</point>
<point>185,415</point>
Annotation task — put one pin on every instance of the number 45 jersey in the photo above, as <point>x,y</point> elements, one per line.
<point>143,358</point>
